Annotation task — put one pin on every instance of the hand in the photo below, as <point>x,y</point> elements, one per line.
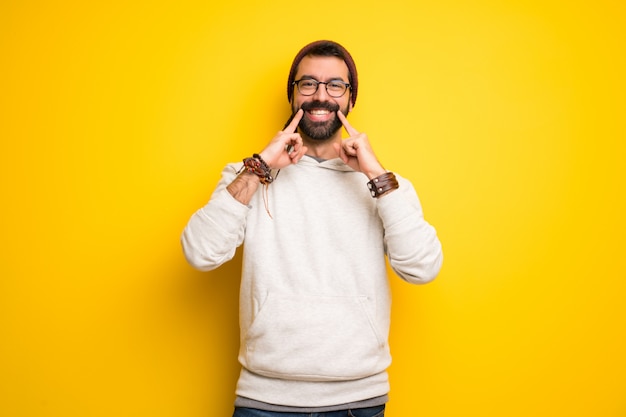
<point>286,147</point>
<point>357,152</point>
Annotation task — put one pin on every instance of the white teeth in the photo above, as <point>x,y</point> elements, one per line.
<point>319,112</point>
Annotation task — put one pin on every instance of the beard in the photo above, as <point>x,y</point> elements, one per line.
<point>320,130</point>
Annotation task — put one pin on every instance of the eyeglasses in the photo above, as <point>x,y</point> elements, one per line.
<point>308,87</point>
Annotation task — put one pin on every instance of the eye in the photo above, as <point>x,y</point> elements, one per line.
<point>308,84</point>
<point>336,85</point>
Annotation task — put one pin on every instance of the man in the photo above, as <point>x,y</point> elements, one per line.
<point>315,298</point>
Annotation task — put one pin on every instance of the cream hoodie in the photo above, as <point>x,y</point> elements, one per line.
<point>315,299</point>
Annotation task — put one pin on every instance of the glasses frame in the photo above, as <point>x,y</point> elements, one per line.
<point>317,86</point>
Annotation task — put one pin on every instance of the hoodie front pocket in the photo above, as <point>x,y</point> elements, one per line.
<point>315,338</point>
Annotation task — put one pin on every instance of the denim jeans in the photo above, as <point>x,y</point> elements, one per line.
<point>378,411</point>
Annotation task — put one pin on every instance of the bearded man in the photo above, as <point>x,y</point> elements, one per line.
<point>315,298</point>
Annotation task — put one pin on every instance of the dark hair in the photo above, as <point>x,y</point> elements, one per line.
<point>325,48</point>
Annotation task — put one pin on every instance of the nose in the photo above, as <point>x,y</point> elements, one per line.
<point>321,94</point>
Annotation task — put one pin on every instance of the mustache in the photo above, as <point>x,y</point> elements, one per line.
<point>333,107</point>
<point>313,105</point>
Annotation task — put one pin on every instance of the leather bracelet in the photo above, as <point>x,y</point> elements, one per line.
<point>383,183</point>
<point>257,166</point>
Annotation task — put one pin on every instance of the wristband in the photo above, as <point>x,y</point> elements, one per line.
<point>257,166</point>
<point>383,183</point>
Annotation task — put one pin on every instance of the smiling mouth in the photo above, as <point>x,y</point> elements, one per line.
<point>320,115</point>
<point>319,112</point>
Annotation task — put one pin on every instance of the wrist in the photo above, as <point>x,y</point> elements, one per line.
<point>375,173</point>
<point>249,176</point>
<point>382,184</point>
<point>375,170</point>
<point>256,165</point>
<point>263,156</point>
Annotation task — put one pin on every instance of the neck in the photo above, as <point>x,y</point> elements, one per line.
<point>324,149</point>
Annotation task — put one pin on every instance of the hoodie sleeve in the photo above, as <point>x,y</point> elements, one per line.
<point>411,243</point>
<point>214,232</point>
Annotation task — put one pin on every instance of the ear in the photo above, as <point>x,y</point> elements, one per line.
<point>350,105</point>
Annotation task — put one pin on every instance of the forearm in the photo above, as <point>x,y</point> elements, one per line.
<point>215,231</point>
<point>244,186</point>
<point>412,245</point>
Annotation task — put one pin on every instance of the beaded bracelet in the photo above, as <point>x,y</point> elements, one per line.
<point>383,183</point>
<point>257,166</point>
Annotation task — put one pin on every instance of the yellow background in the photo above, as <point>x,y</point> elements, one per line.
<point>116,118</point>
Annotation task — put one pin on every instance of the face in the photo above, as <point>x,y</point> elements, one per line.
<point>320,121</point>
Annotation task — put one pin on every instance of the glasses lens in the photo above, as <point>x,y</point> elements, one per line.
<point>336,88</point>
<point>307,87</point>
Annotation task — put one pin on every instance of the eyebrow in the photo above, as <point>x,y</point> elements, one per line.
<point>310,77</point>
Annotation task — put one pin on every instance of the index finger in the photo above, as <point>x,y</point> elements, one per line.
<point>351,131</point>
<point>293,125</point>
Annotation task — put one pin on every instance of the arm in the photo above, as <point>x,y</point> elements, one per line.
<point>214,232</point>
<point>275,155</point>
<point>411,244</point>
<point>413,248</point>
<point>243,187</point>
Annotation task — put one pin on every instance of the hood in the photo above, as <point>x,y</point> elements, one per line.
<point>335,164</point>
